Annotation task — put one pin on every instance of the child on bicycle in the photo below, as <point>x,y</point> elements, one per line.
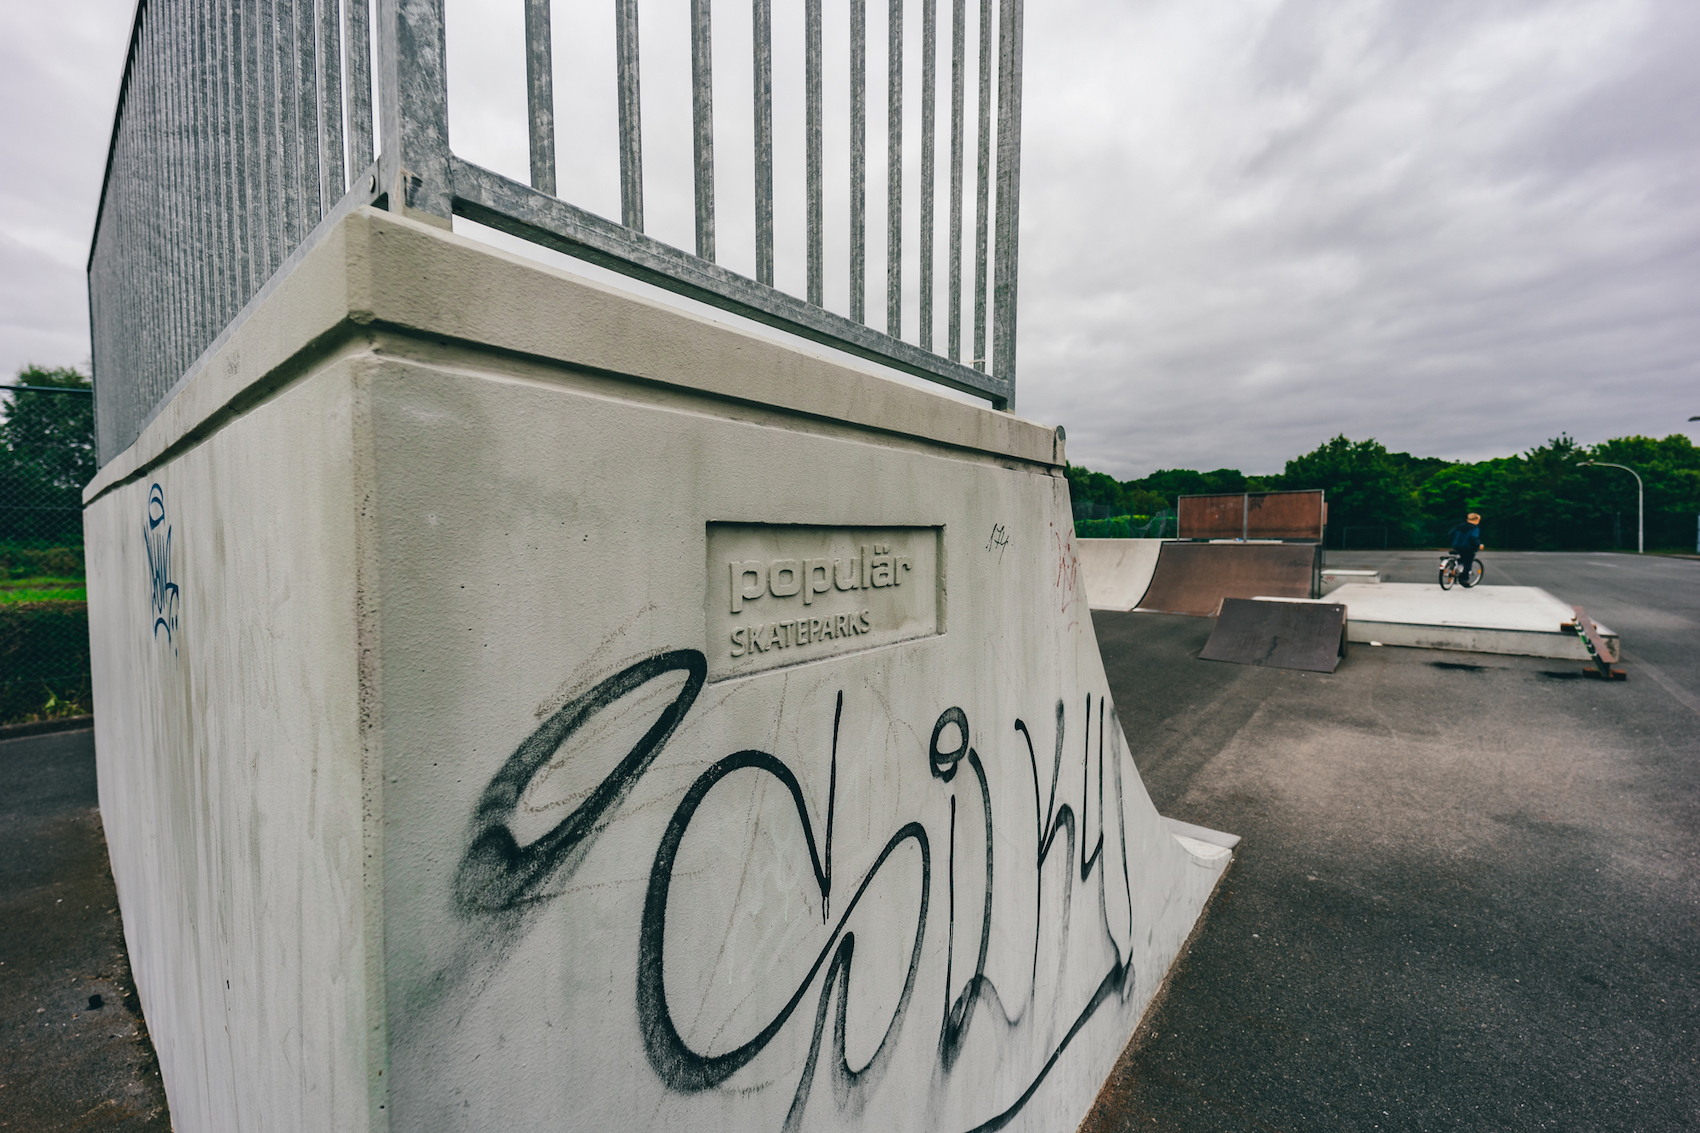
<point>1466,541</point>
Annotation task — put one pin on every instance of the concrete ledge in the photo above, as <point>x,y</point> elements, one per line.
<point>377,272</point>
<point>1336,578</point>
<point>1523,620</point>
<point>1200,833</point>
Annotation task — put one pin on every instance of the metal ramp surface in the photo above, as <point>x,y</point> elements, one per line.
<point>1281,635</point>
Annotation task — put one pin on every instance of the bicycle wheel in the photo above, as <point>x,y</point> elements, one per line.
<point>1448,572</point>
<point>1475,575</point>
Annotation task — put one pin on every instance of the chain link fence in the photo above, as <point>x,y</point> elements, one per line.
<point>46,455</point>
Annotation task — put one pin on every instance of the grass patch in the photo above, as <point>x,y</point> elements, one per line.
<point>44,590</point>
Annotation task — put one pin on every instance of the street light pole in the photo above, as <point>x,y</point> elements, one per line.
<point>1640,526</point>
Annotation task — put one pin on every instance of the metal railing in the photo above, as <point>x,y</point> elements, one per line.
<point>239,122</point>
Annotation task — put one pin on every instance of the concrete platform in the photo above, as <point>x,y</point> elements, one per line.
<point>1522,620</point>
<point>1333,578</point>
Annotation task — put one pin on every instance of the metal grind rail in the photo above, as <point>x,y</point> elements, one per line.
<point>245,128</point>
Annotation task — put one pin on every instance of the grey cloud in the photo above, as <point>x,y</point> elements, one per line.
<point>1384,220</point>
<point>1460,226</point>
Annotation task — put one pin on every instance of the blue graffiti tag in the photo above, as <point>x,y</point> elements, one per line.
<point>165,592</point>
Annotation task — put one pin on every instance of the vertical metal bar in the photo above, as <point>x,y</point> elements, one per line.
<point>1009,192</point>
<point>540,93</point>
<point>894,173</point>
<point>253,128</point>
<point>148,252</point>
<point>414,103</point>
<point>237,275</point>
<point>982,185</point>
<point>358,43</point>
<point>929,107</point>
<point>761,20</point>
<point>271,129</point>
<point>289,123</point>
<point>631,122</point>
<point>163,320</point>
<point>958,65</point>
<point>307,86</point>
<point>815,155</point>
<point>858,158</point>
<point>702,120</point>
<point>330,102</point>
<point>253,269</point>
<point>142,204</point>
<point>206,212</point>
<point>180,195</point>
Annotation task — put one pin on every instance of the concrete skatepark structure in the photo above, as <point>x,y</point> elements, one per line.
<point>1162,576</point>
<point>524,703</point>
<point>1523,620</point>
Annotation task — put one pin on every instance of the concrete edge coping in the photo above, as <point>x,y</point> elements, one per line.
<point>1200,833</point>
<point>45,727</point>
<point>365,277</point>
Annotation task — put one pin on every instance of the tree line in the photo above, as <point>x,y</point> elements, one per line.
<point>1542,499</point>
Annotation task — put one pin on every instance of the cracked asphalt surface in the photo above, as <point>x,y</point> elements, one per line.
<point>1469,891</point>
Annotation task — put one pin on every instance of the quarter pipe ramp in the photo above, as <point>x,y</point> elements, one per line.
<point>1117,571</point>
<point>1194,578</point>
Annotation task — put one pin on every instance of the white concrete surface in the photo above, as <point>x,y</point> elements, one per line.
<point>1117,571</point>
<point>1521,620</point>
<point>1333,579</point>
<point>525,707</point>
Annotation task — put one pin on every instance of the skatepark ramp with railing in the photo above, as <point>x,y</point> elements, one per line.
<point>524,702</point>
<point>245,132</point>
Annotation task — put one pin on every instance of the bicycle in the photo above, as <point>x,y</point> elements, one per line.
<point>1450,573</point>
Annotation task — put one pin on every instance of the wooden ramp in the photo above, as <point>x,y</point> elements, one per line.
<point>1195,578</point>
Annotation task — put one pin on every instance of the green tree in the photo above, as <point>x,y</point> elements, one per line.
<point>47,454</point>
<point>1364,485</point>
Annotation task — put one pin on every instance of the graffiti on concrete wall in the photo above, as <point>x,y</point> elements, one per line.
<point>497,876</point>
<point>156,535</point>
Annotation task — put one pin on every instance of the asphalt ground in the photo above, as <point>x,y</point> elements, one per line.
<point>65,1063</point>
<point>1467,897</point>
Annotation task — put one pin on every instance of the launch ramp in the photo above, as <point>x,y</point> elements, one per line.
<point>1282,635</point>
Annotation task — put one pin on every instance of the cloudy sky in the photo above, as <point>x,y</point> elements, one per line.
<point>1458,226</point>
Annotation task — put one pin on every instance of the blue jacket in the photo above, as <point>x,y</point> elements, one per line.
<point>1466,537</point>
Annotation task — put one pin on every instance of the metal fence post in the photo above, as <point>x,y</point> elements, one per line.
<point>413,97</point>
<point>1009,194</point>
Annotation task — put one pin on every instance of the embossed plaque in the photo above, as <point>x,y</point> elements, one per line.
<point>785,594</point>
